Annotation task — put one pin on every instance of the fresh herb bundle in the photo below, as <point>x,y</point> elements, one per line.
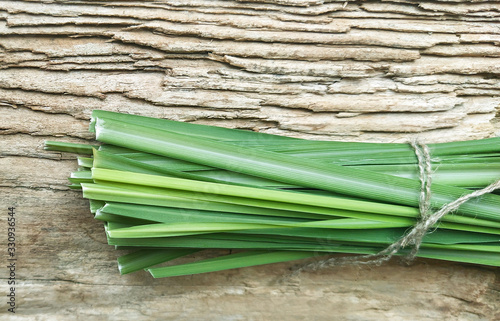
<point>169,189</point>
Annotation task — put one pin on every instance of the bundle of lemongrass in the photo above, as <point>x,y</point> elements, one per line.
<point>168,189</point>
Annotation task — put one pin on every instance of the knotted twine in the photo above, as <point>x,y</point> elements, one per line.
<point>415,235</point>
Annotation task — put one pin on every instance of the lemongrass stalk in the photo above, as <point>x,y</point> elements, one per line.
<point>281,143</point>
<point>338,243</point>
<point>291,170</point>
<point>284,200</point>
<point>152,159</point>
<point>173,198</point>
<point>244,259</point>
<point>461,174</point>
<point>249,192</point>
<point>343,152</point>
<point>182,228</point>
<point>467,247</point>
<point>82,149</point>
<point>108,217</point>
<point>211,132</point>
<point>232,200</point>
<point>148,197</point>
<point>175,215</point>
<point>150,214</point>
<point>468,174</point>
<point>85,162</point>
<point>81,177</point>
<point>143,259</point>
<point>95,205</point>
<point>254,258</point>
<point>111,161</point>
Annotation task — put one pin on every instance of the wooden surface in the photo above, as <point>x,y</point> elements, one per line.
<point>344,70</point>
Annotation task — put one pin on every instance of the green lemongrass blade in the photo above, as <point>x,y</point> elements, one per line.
<point>474,257</point>
<point>382,235</point>
<point>152,159</point>
<point>381,158</point>
<point>260,140</point>
<point>385,155</point>
<point>254,258</point>
<point>387,236</point>
<point>468,228</point>
<point>120,150</point>
<point>199,242</point>
<point>158,165</point>
<point>331,147</point>
<point>78,181</point>
<point>114,226</point>
<point>227,177</point>
<point>86,162</point>
<point>82,175</point>
<point>193,227</point>
<point>460,254</point>
<point>143,259</point>
<point>441,167</point>
<point>82,149</point>
<point>75,186</point>
<point>464,175</point>
<point>379,151</point>
<point>445,236</point>
<point>217,241</point>
<point>150,197</point>
<point>292,170</point>
<point>354,224</point>
<point>233,261</point>
<point>95,205</point>
<point>301,235</point>
<point>282,200</point>
<point>470,147</point>
<point>107,160</point>
<point>211,132</point>
<point>250,192</point>
<point>471,175</point>
<point>363,159</point>
<point>154,196</point>
<point>111,161</point>
<point>480,146</point>
<point>468,247</point>
<point>163,230</point>
<point>224,241</point>
<point>461,174</point>
<point>478,177</point>
<point>251,202</point>
<point>175,215</point>
<point>107,217</point>
<point>236,236</point>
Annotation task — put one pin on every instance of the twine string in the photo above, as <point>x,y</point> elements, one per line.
<point>415,235</point>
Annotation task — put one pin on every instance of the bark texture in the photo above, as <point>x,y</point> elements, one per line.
<point>319,69</point>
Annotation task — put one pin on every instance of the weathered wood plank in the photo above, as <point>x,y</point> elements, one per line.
<point>319,69</point>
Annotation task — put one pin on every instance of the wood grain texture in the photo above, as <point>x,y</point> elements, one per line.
<point>318,69</point>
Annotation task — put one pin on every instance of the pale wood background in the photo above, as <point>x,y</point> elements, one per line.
<point>345,70</point>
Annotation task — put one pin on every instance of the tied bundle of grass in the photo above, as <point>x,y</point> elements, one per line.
<point>169,189</point>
